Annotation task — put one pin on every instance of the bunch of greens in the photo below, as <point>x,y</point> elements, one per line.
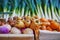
<point>49,9</point>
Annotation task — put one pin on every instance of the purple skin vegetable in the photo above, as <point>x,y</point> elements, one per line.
<point>4,30</point>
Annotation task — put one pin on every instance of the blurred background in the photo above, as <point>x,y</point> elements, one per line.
<point>49,9</point>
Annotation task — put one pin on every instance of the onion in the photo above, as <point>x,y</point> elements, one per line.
<point>20,24</point>
<point>27,23</point>
<point>28,31</point>
<point>8,26</point>
<point>5,29</point>
<point>15,30</point>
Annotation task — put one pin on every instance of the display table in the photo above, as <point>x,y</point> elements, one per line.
<point>16,37</point>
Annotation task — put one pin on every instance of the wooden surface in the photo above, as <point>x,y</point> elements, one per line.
<point>16,37</point>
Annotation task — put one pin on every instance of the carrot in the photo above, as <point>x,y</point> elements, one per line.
<point>43,20</point>
<point>58,29</point>
<point>43,28</point>
<point>54,25</point>
<point>49,28</point>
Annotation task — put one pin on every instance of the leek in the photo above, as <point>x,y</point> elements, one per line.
<point>22,14</point>
<point>58,18</point>
<point>26,12</point>
<point>23,8</point>
<point>53,14</point>
<point>42,13</point>
<point>31,7</point>
<point>45,9</point>
<point>49,13</point>
<point>5,5</point>
<point>14,10</point>
<point>20,8</point>
<point>39,13</point>
<point>26,8</point>
<point>38,4</point>
<point>29,13</point>
<point>59,12</point>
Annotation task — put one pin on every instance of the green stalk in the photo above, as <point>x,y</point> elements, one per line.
<point>14,13</point>
<point>19,12</point>
<point>5,9</point>
<point>33,13</point>
<point>59,12</point>
<point>38,12</point>
<point>42,13</point>
<point>5,6</point>
<point>31,7</point>
<point>22,14</point>
<point>53,14</point>
<point>56,13</point>
<point>45,10</point>
<point>37,9</point>
<point>29,13</point>
<point>49,13</point>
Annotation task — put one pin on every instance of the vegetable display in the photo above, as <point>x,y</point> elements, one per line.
<point>27,25</point>
<point>30,16</point>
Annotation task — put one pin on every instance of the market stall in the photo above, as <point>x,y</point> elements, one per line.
<point>30,19</point>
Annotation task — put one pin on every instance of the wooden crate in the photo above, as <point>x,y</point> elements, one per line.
<point>16,37</point>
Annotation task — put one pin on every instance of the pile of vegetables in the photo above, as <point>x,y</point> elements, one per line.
<point>35,23</point>
<point>14,27</point>
<point>27,25</point>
